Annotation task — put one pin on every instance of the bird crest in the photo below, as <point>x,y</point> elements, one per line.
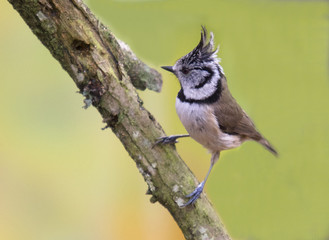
<point>203,52</point>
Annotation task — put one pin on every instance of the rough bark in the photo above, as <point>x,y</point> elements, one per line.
<point>107,72</point>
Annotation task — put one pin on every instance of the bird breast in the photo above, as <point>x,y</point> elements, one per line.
<point>200,122</point>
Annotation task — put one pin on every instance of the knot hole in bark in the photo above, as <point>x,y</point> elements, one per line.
<point>80,45</point>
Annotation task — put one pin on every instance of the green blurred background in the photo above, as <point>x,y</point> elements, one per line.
<point>61,177</point>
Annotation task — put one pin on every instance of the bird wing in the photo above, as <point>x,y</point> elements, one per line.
<point>231,118</point>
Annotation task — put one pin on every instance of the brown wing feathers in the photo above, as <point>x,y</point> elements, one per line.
<point>233,120</point>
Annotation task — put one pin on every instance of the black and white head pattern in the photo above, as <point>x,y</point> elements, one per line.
<point>199,72</point>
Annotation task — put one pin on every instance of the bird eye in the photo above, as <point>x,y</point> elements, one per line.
<point>185,70</point>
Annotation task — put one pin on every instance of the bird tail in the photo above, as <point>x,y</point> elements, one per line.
<point>268,146</point>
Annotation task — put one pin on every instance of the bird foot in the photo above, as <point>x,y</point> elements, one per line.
<point>194,195</point>
<point>167,140</point>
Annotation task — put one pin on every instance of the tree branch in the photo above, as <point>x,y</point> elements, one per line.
<point>106,71</point>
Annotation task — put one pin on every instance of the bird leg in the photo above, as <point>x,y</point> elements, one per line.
<point>170,139</point>
<point>198,190</point>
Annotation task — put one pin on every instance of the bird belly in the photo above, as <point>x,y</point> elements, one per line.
<point>201,123</point>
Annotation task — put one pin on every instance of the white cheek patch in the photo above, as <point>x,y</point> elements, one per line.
<point>204,92</point>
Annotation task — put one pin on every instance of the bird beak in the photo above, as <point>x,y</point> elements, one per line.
<point>168,68</point>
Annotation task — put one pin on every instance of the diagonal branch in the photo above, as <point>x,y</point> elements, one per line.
<point>107,72</point>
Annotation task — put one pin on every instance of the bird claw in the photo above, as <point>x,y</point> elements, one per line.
<point>167,140</point>
<point>194,195</point>
<point>170,139</point>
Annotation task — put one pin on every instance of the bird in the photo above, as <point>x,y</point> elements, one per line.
<point>206,108</point>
